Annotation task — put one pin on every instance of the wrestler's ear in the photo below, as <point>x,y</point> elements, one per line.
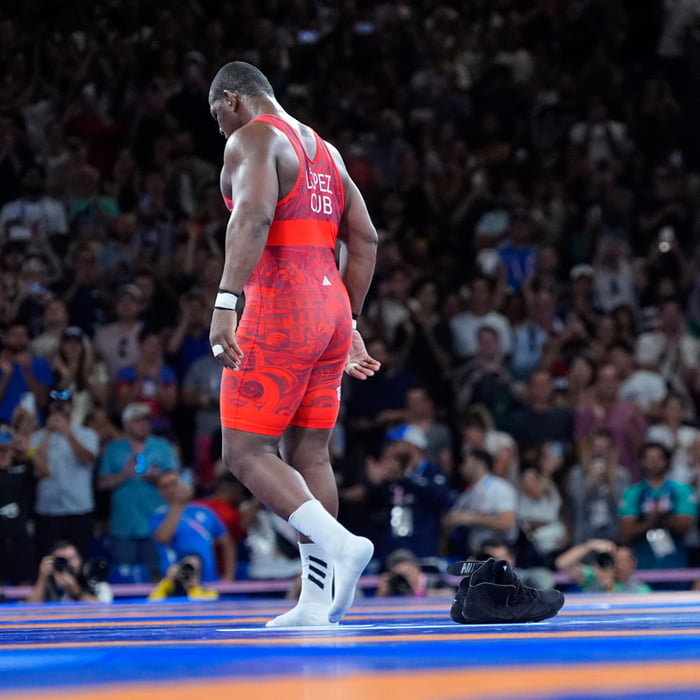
<point>232,100</point>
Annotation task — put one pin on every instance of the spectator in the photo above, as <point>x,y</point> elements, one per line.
<point>374,405</point>
<point>226,500</point>
<point>484,511</point>
<point>117,343</point>
<point>533,334</point>
<point>484,379</point>
<point>421,412</point>
<point>404,575</point>
<point>601,566</point>
<point>423,341</point>
<point>200,395</point>
<point>540,508</point>
<point>183,579</point>
<point>181,527</point>
<point>574,390</point>
<point>23,378</point>
<point>644,387</point>
<point>673,352</point>
<point>189,341</point>
<point>623,419</point>
<point>64,577</point>
<point>34,212</point>
<point>407,493</point>
<point>83,289</point>
<point>679,437</point>
<point>390,309</point>
<point>149,380</point>
<point>479,433</point>
<point>594,488</point>
<point>518,254</point>
<point>64,499</point>
<point>75,370</point>
<point>614,282</point>
<point>55,321</point>
<point>129,470</point>
<point>656,513</point>
<point>482,305</point>
<point>540,419</point>
<point>18,477</point>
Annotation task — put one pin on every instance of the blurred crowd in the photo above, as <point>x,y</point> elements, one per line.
<point>533,169</point>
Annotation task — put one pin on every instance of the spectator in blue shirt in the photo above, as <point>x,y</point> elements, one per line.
<point>21,373</point>
<point>181,527</point>
<point>129,468</point>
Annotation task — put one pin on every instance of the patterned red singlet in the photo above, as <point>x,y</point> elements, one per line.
<point>295,331</point>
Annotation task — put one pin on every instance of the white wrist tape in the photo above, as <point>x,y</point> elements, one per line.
<point>226,300</point>
<point>354,324</point>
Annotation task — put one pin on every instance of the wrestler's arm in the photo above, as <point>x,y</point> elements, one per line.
<point>358,256</point>
<point>250,166</point>
<point>359,237</point>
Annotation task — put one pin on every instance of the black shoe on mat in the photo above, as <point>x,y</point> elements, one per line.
<point>494,594</point>
<point>466,569</point>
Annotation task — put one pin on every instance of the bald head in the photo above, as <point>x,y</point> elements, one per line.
<point>240,77</point>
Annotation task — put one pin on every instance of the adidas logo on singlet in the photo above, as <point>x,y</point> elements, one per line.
<point>326,282</point>
<point>318,567</point>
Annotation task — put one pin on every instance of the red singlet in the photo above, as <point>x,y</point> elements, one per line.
<point>295,331</point>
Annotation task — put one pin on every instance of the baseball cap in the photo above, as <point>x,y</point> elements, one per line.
<point>136,410</point>
<point>409,433</point>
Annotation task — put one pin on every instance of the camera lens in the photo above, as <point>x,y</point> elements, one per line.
<point>60,564</point>
<point>604,560</point>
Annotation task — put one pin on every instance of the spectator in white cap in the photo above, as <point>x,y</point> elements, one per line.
<point>129,469</point>
<point>408,493</point>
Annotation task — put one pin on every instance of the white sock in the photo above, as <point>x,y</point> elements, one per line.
<point>350,554</point>
<point>316,588</point>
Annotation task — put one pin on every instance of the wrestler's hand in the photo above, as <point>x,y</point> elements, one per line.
<point>359,363</point>
<point>222,338</point>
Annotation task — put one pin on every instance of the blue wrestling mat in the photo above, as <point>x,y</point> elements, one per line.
<point>599,646</point>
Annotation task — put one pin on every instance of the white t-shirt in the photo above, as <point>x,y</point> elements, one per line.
<point>489,496</point>
<point>679,444</point>
<point>465,328</point>
<point>645,388</point>
<point>47,214</point>
<point>548,537</point>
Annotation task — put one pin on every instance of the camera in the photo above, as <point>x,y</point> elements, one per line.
<point>604,560</point>
<point>399,585</point>
<point>185,572</point>
<point>94,571</point>
<point>60,564</point>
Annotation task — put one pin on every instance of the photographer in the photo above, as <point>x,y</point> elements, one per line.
<point>601,566</point>
<point>64,578</point>
<point>183,579</point>
<point>408,494</point>
<point>404,575</point>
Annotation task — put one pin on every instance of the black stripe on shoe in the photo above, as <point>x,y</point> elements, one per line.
<point>318,561</point>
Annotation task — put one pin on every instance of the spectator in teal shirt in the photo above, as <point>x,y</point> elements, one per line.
<point>129,469</point>
<point>657,513</point>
